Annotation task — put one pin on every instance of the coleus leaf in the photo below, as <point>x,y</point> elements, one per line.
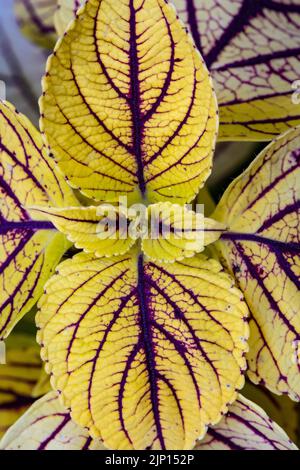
<point>280,408</point>
<point>29,247</point>
<point>128,106</point>
<point>18,378</point>
<point>173,232</point>
<point>262,247</point>
<point>187,232</point>
<point>246,427</point>
<point>252,50</point>
<point>82,225</point>
<point>145,354</point>
<point>48,426</point>
<point>36,20</point>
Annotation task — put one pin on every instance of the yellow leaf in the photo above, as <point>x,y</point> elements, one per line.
<point>30,248</point>
<point>48,426</point>
<point>17,379</point>
<point>85,227</point>
<point>128,106</point>
<point>280,409</point>
<point>169,232</point>
<point>177,232</point>
<point>144,354</point>
<point>246,427</point>
<point>36,20</point>
<point>252,51</point>
<point>262,210</point>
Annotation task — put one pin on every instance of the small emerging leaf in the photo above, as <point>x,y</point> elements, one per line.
<point>128,106</point>
<point>262,250</point>
<point>252,49</point>
<point>169,232</point>
<point>83,226</point>
<point>182,233</point>
<point>145,354</point>
<point>246,427</point>
<point>30,248</point>
<point>48,426</point>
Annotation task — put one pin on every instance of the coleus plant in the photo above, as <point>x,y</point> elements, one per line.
<point>251,48</point>
<point>146,340</point>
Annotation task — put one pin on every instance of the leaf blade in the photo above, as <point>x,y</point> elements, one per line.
<point>48,426</point>
<point>125,147</point>
<point>143,408</point>
<point>84,226</point>
<point>253,55</point>
<point>280,408</point>
<point>178,232</point>
<point>262,248</point>
<point>246,427</point>
<point>29,248</point>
